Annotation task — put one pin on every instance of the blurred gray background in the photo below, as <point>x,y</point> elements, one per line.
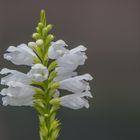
<point>110,29</point>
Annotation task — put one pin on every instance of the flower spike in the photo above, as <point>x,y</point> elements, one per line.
<point>52,67</point>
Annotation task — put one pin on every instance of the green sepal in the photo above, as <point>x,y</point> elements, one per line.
<point>38,84</point>
<point>43,127</point>
<point>53,74</point>
<point>36,60</point>
<point>55,101</point>
<point>53,85</point>
<point>52,66</point>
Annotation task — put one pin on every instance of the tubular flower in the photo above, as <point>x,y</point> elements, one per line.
<point>76,84</point>
<point>20,55</point>
<point>52,67</point>
<point>76,101</point>
<point>57,49</point>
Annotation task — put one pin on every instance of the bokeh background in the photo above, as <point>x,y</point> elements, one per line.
<point>110,29</point>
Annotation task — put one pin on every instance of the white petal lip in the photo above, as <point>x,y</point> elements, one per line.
<point>64,76</point>
<point>57,49</point>
<point>76,101</point>
<point>38,72</point>
<point>76,84</point>
<point>80,48</point>
<point>20,55</point>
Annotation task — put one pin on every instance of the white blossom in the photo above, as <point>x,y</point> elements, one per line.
<point>64,73</point>
<point>38,72</point>
<point>73,58</point>
<point>76,84</point>
<point>17,94</point>
<point>20,55</point>
<point>14,75</point>
<point>69,62</point>
<point>57,49</point>
<point>76,100</point>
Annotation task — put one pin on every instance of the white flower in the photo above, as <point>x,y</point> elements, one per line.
<point>14,75</point>
<point>73,58</point>
<point>17,94</point>
<point>57,49</point>
<point>69,62</point>
<point>76,100</point>
<point>76,84</point>
<point>20,92</point>
<point>20,55</point>
<point>64,73</point>
<point>38,72</point>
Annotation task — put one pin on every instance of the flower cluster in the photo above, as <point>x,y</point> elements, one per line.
<point>20,89</point>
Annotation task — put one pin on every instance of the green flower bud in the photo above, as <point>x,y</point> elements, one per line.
<point>50,37</point>
<point>40,25</point>
<point>47,29</point>
<point>37,29</point>
<point>36,36</point>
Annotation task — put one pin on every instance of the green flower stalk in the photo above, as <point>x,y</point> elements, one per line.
<point>44,103</point>
<point>52,68</point>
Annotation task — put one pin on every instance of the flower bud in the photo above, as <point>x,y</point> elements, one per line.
<point>40,25</point>
<point>31,44</point>
<point>39,42</point>
<point>50,37</point>
<point>35,35</point>
<point>47,29</point>
<point>38,29</point>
